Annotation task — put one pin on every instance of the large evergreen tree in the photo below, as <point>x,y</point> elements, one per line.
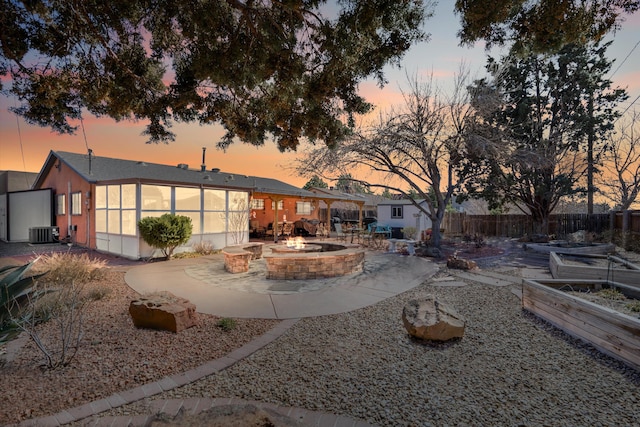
<point>531,128</point>
<point>540,25</point>
<point>287,69</point>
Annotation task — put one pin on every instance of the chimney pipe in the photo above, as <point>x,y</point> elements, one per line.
<point>203,167</point>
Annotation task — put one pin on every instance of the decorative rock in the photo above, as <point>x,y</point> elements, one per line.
<point>163,311</point>
<point>432,320</point>
<point>460,264</point>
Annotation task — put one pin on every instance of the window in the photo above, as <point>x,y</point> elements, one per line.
<point>128,209</point>
<point>187,203</point>
<point>187,199</point>
<point>303,208</point>
<point>280,205</point>
<point>116,209</point>
<point>156,198</point>
<point>61,204</point>
<point>214,216</point>
<point>257,204</point>
<point>396,211</point>
<point>76,203</point>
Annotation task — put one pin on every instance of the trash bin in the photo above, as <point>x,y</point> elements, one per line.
<point>396,233</point>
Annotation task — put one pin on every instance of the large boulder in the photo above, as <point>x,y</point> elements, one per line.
<point>432,320</point>
<point>163,311</point>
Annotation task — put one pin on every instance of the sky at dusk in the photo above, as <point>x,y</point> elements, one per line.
<point>24,147</point>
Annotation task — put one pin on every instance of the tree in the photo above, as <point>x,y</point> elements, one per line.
<point>540,25</point>
<point>259,68</point>
<point>413,145</point>
<point>622,163</point>
<point>166,232</point>
<point>315,182</point>
<point>531,124</point>
<point>348,184</point>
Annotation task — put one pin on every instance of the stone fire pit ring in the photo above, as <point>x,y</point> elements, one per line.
<point>334,260</point>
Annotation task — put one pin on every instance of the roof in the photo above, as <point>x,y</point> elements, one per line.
<point>366,199</point>
<point>102,170</point>
<point>400,202</point>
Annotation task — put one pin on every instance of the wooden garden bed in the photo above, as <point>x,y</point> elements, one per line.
<point>594,267</point>
<point>612,332</point>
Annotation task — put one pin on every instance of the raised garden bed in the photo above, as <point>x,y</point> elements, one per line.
<point>612,332</point>
<point>594,267</point>
<point>563,247</point>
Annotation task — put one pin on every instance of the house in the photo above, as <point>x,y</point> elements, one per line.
<point>403,213</point>
<point>15,191</point>
<point>98,201</point>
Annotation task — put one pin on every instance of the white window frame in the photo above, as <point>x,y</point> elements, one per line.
<point>397,212</point>
<point>61,204</point>
<point>76,203</point>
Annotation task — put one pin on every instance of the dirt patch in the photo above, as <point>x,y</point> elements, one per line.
<point>471,250</point>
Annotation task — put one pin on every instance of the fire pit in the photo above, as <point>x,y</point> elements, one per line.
<point>296,245</point>
<point>313,261</point>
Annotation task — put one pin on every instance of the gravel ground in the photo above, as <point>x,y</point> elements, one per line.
<point>510,369</point>
<point>114,355</point>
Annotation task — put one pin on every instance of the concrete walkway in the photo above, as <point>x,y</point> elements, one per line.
<point>204,282</point>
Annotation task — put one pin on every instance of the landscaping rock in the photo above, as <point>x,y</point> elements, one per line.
<point>163,311</point>
<point>460,263</point>
<point>432,320</point>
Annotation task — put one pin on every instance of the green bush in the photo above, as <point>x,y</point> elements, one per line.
<point>166,232</point>
<point>227,324</point>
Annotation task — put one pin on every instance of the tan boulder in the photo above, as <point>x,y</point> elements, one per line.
<point>432,320</point>
<point>163,311</point>
<point>460,263</point>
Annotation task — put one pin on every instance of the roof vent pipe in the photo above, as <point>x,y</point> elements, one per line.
<point>203,167</point>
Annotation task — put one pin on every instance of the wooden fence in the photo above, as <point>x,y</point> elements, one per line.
<point>460,224</point>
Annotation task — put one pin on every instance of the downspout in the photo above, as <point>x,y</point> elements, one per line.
<point>69,226</point>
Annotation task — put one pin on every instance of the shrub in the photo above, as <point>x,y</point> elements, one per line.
<point>409,232</point>
<point>166,232</point>
<point>64,267</point>
<point>203,248</point>
<point>97,293</point>
<point>15,290</point>
<point>227,324</point>
<point>64,307</point>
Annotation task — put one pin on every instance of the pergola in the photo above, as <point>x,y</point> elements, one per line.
<point>328,199</point>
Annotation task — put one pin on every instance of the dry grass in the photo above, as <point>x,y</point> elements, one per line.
<point>65,267</point>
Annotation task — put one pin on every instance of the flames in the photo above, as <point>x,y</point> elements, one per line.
<point>296,243</point>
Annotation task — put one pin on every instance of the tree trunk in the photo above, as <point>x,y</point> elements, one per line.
<point>436,237</point>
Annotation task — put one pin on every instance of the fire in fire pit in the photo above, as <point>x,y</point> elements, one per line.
<point>296,243</point>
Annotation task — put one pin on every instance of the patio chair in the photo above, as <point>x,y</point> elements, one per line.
<point>287,229</point>
<point>269,231</point>
<point>340,235</point>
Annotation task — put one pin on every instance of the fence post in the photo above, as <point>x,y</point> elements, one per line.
<point>626,227</point>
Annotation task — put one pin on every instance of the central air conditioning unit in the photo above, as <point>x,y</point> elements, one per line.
<point>44,234</point>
